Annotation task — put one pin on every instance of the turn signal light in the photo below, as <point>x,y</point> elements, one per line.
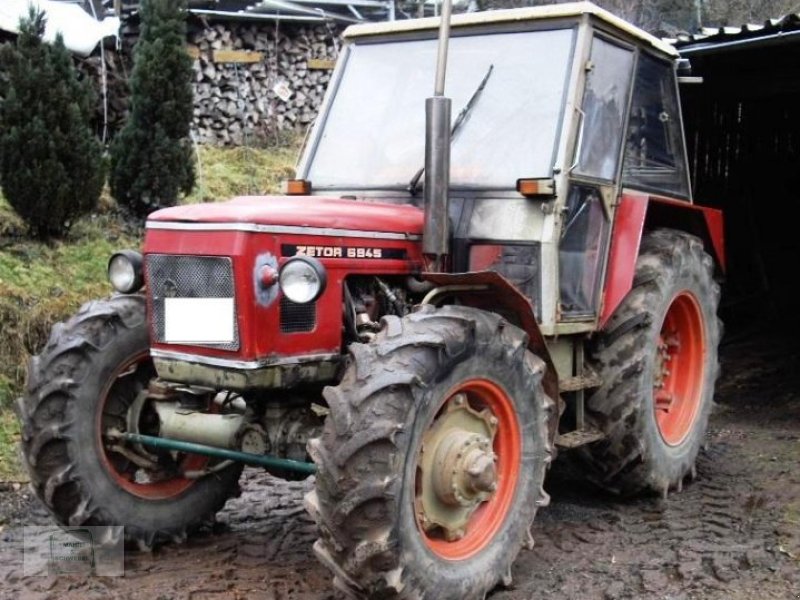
<point>298,187</point>
<point>536,187</point>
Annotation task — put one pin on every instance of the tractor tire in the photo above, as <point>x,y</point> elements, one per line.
<point>401,389</point>
<point>83,382</point>
<point>657,357</point>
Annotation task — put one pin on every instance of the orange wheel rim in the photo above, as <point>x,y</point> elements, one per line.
<point>680,369</point>
<point>487,519</point>
<point>156,490</point>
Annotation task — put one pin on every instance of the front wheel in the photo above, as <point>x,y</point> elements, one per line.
<point>431,463</point>
<point>91,378</point>
<point>658,359</point>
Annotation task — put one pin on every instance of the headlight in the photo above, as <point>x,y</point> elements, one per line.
<point>302,279</point>
<point>125,271</point>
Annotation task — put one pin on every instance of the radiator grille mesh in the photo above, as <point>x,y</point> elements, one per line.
<point>177,276</point>
<point>297,318</point>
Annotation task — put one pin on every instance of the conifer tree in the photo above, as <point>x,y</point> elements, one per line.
<point>51,165</point>
<point>151,158</point>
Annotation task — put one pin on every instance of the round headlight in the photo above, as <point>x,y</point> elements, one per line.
<point>125,271</point>
<point>302,279</point>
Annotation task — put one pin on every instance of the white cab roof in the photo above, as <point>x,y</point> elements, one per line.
<point>535,13</point>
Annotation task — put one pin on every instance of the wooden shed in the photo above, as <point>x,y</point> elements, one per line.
<point>743,135</point>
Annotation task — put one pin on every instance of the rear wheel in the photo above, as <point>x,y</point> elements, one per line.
<point>92,378</point>
<point>658,360</point>
<point>432,460</point>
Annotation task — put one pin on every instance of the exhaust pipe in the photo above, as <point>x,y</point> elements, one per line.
<point>436,233</point>
<point>437,178</point>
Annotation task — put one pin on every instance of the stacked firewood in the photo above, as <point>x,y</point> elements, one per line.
<point>256,80</point>
<point>253,82</point>
<point>112,100</point>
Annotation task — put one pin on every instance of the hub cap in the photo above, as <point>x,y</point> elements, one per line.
<point>679,369</point>
<point>466,470</point>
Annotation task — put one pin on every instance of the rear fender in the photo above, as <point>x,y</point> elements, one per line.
<point>638,213</point>
<point>702,221</point>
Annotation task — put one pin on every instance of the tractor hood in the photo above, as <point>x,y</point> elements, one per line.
<point>300,211</point>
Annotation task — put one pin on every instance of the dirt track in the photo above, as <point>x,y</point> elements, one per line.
<point>733,533</point>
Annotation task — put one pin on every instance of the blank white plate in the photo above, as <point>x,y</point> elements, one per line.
<point>198,320</point>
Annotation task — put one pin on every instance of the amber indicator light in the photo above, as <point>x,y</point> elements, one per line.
<point>298,187</point>
<point>536,187</point>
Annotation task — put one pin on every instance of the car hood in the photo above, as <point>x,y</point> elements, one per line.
<point>300,211</point>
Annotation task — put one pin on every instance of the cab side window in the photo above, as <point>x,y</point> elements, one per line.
<point>581,251</point>
<point>604,102</point>
<point>654,149</point>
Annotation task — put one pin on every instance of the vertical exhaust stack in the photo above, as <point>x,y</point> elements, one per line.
<point>436,234</point>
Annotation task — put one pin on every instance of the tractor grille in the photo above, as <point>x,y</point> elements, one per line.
<point>297,318</point>
<point>173,276</point>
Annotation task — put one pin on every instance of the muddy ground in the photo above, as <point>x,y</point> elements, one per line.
<point>734,533</point>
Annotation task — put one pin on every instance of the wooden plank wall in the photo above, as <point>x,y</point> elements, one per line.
<point>743,137</point>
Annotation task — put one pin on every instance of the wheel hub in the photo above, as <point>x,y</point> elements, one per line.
<point>457,467</point>
<point>678,369</point>
<point>466,468</point>
<point>668,345</point>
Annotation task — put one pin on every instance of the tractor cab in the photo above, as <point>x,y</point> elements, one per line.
<point>557,111</point>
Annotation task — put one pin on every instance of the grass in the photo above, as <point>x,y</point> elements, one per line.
<point>226,172</point>
<point>43,283</point>
<point>10,466</point>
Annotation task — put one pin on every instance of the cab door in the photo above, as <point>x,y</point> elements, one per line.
<point>593,178</point>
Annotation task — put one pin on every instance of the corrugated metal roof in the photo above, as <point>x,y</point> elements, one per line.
<point>339,11</point>
<point>773,31</point>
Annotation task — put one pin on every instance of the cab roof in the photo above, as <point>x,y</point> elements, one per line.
<point>514,15</point>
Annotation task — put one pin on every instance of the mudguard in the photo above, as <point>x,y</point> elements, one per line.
<point>638,213</point>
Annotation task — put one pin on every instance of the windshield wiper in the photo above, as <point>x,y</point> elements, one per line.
<point>414,183</point>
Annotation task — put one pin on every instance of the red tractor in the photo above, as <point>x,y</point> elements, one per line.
<point>422,339</point>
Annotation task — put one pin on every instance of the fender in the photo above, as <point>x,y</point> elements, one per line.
<point>493,292</point>
<point>638,213</point>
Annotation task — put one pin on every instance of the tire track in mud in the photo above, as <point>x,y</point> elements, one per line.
<point>696,544</point>
<point>259,548</point>
<point>714,540</point>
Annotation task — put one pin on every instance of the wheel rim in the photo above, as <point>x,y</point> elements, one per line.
<point>679,369</point>
<point>459,509</point>
<point>118,395</point>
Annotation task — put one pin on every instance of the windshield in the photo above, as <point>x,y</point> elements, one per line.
<point>374,133</point>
